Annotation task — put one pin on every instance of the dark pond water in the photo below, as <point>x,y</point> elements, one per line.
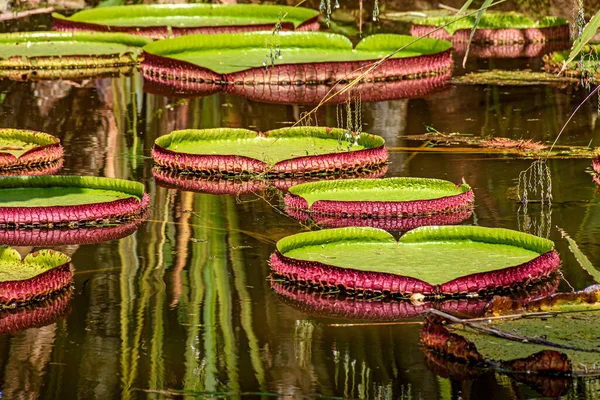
<point>184,306</point>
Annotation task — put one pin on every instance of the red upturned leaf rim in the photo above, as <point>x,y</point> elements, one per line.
<point>354,281</point>
<point>74,216</point>
<point>305,19</point>
<point>459,198</point>
<point>240,186</point>
<point>46,151</point>
<point>54,274</point>
<point>372,157</point>
<point>318,303</point>
<point>160,64</point>
<point>38,314</point>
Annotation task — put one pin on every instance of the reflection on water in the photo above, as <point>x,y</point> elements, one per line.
<point>184,303</point>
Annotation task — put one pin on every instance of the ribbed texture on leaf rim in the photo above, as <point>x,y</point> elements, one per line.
<point>37,314</point>
<point>326,276</point>
<point>47,150</point>
<point>158,66</point>
<point>56,276</point>
<point>373,157</point>
<point>379,209</point>
<point>74,215</point>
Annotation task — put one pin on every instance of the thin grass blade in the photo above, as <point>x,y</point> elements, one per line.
<point>588,32</point>
<point>483,8</point>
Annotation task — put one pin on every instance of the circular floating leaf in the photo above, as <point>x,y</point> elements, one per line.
<point>22,151</point>
<point>68,201</point>
<point>430,261</point>
<point>50,55</point>
<point>283,152</point>
<point>238,186</point>
<point>390,197</point>
<point>35,277</point>
<point>560,341</point>
<point>494,28</point>
<point>332,304</point>
<point>159,21</point>
<point>203,61</point>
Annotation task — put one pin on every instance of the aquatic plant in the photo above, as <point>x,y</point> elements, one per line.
<point>33,278</point>
<point>36,314</point>
<point>287,152</point>
<point>494,28</point>
<point>203,62</point>
<point>22,151</point>
<point>552,337</point>
<point>159,21</point>
<point>391,197</point>
<point>67,55</point>
<point>421,265</point>
<point>69,201</point>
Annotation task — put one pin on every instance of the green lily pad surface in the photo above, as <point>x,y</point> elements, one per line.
<point>492,20</point>
<point>230,53</point>
<point>389,189</point>
<point>31,45</point>
<point>591,67</point>
<point>12,268</point>
<point>49,191</point>
<point>432,254</point>
<point>270,147</point>
<point>17,142</point>
<point>191,15</point>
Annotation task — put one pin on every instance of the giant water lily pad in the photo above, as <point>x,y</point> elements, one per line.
<point>494,28</point>
<point>428,261</point>
<point>585,63</point>
<point>391,197</point>
<point>36,276</point>
<point>49,55</point>
<point>282,152</point>
<point>206,61</point>
<point>21,150</point>
<point>556,336</point>
<point>36,314</point>
<point>68,201</point>
<point>159,21</point>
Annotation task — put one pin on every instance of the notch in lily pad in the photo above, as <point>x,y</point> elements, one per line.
<point>33,278</point>
<point>391,203</point>
<point>69,201</point>
<point>287,152</point>
<point>67,55</point>
<point>427,262</point>
<point>204,62</point>
<point>159,21</point>
<point>26,152</point>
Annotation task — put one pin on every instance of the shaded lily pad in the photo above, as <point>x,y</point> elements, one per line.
<point>203,61</point>
<point>33,278</point>
<point>21,150</point>
<point>50,55</point>
<point>244,185</point>
<point>159,21</point>
<point>559,340</point>
<point>390,197</point>
<point>51,201</point>
<point>426,262</point>
<point>590,69</point>
<point>494,28</point>
<point>333,304</point>
<point>283,152</point>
